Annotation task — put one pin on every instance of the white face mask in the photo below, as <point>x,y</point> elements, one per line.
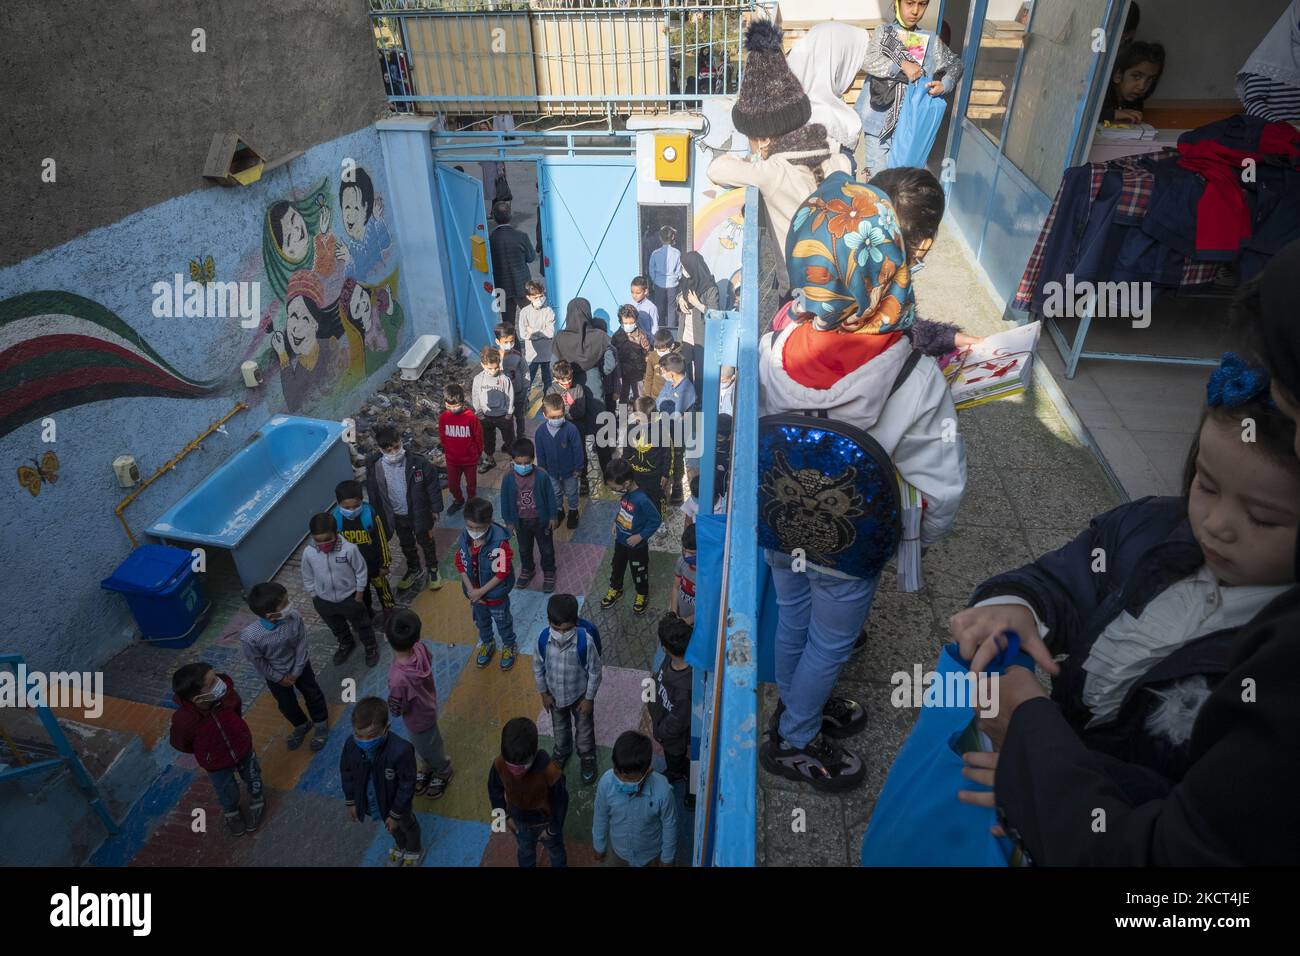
<point>560,635</point>
<point>218,691</point>
<point>629,327</point>
<point>395,457</point>
<point>554,424</point>
<point>477,535</point>
<point>662,352</point>
<point>538,302</point>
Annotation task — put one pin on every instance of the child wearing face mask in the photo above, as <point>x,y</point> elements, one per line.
<point>537,330</point>
<point>646,451</point>
<point>377,768</point>
<point>529,511</point>
<point>670,711</point>
<point>682,603</point>
<point>636,812</point>
<point>486,565</point>
<point>580,407</point>
<point>647,312</point>
<point>526,785</point>
<point>567,669</point>
<point>635,523</point>
<point>334,576</point>
<point>361,524</point>
<point>561,454</point>
<point>513,364</point>
<point>677,397</point>
<point>632,345</point>
<point>413,696</point>
<point>664,344</point>
<point>461,437</point>
<point>403,488</point>
<point>1151,632</point>
<point>494,402</point>
<point>276,645</point>
<point>207,724</point>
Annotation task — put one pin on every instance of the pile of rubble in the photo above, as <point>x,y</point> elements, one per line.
<point>412,407</point>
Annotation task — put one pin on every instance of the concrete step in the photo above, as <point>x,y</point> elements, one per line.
<point>46,819</point>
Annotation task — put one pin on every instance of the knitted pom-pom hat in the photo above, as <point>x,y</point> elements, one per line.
<point>772,101</point>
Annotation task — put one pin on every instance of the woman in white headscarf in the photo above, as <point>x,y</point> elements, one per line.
<point>1269,82</point>
<point>826,60</point>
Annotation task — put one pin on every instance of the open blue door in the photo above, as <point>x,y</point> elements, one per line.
<point>465,228</point>
<point>589,231</point>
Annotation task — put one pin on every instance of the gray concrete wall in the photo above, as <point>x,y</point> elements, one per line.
<point>115,94</point>
<point>1206,42</point>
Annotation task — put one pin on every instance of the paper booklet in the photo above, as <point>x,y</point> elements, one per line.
<point>1111,131</point>
<point>995,368</point>
<point>909,549</point>
<point>914,43</point>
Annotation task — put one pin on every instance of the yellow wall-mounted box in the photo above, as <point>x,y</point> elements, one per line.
<point>478,253</point>
<point>672,155</point>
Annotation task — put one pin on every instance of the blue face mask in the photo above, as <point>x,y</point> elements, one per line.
<point>626,787</point>
<point>368,747</point>
<point>523,469</point>
<point>690,559</point>
<point>269,625</point>
<point>349,512</point>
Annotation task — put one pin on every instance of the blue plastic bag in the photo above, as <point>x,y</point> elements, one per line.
<point>918,820</point>
<point>918,124</point>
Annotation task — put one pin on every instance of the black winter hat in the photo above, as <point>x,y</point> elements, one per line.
<point>772,101</point>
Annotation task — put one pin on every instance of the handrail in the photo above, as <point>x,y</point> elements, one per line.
<point>725,825</point>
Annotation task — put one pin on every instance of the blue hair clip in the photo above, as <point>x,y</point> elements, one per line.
<point>1236,382</point>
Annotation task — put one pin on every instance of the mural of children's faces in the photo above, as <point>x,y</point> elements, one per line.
<point>300,327</point>
<point>358,203</point>
<point>360,307</point>
<point>291,235</point>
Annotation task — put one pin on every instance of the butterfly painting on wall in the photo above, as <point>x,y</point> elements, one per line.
<point>46,470</point>
<point>203,269</point>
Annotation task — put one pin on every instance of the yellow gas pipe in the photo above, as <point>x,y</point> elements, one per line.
<point>239,407</point>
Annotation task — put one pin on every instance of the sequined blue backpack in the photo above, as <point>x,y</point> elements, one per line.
<point>829,490</point>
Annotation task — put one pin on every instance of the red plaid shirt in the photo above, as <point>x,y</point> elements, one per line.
<point>1134,197</point>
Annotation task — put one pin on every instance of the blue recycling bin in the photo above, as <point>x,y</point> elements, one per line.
<point>164,594</point>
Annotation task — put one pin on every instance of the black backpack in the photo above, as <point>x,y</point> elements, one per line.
<point>829,489</point>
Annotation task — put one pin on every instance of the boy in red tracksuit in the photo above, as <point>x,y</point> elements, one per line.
<point>207,723</point>
<point>461,436</point>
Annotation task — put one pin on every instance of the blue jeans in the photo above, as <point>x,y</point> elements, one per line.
<point>528,837</point>
<point>877,152</point>
<point>566,491</point>
<point>227,787</point>
<point>484,615</point>
<point>818,620</point>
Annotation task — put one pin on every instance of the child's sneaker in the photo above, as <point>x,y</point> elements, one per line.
<point>438,784</point>
<point>394,857</point>
<point>640,604</point>
<point>559,760</point>
<point>321,737</point>
<point>408,582</point>
<point>342,653</point>
<point>841,717</point>
<point>256,810</point>
<point>455,507</point>
<point>485,654</point>
<point>612,595</point>
<point>412,857</point>
<point>525,577</point>
<point>421,781</point>
<point>823,763</point>
<point>372,655</point>
<point>548,582</point>
<point>507,657</point>
<point>485,465</point>
<point>573,519</point>
<point>235,823</point>
<point>435,580</point>
<point>298,736</point>
<point>559,517</point>
<point>588,766</point>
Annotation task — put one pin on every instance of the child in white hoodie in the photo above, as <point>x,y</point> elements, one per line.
<point>843,359</point>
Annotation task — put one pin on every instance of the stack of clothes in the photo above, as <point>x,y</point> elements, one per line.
<point>1229,195</point>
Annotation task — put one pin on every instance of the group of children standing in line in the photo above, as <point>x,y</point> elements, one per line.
<point>584,373</point>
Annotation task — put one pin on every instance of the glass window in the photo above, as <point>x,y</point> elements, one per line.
<point>1053,81</point>
<point>1001,39</point>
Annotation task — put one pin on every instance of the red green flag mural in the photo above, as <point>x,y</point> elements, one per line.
<point>59,350</point>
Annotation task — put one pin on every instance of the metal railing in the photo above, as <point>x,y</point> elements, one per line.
<point>725,821</point>
<point>566,57</point>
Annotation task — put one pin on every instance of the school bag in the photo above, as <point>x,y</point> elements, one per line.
<point>829,489</point>
<point>584,628</point>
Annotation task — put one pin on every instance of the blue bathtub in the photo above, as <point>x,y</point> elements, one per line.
<point>257,504</point>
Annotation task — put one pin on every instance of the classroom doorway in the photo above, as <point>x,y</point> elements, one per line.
<point>652,219</point>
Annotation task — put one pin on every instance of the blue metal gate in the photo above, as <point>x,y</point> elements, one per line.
<point>589,230</point>
<point>465,227</point>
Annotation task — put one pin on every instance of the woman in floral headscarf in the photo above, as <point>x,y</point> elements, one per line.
<point>841,360</point>
<point>296,236</point>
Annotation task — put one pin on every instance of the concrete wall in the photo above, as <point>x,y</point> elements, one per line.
<point>117,96</point>
<point>1205,42</point>
<point>92,366</point>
